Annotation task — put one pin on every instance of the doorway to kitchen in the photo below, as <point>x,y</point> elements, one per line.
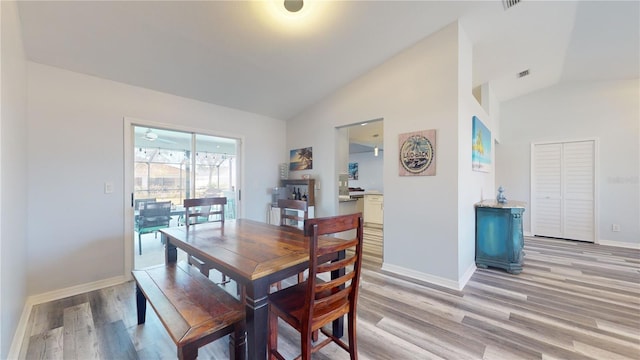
<point>166,167</point>
<point>365,190</point>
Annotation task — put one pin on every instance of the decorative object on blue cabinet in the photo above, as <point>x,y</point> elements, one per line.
<point>501,198</point>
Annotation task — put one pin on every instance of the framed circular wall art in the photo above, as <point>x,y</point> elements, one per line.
<point>417,153</point>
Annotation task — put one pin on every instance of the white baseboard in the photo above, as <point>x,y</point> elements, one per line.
<point>462,282</point>
<point>75,290</point>
<point>436,280</point>
<point>33,300</point>
<point>621,244</point>
<point>18,337</point>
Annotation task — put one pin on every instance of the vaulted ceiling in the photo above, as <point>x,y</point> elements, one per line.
<point>252,56</point>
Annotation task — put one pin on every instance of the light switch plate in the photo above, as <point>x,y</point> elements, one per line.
<point>108,187</point>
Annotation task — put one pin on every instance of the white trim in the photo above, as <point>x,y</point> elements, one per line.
<point>620,244</point>
<point>129,247</point>
<point>76,290</point>
<point>532,189</point>
<point>33,300</point>
<point>436,280</point>
<point>21,329</point>
<point>462,282</point>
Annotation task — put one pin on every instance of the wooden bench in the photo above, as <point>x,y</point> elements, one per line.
<point>193,309</point>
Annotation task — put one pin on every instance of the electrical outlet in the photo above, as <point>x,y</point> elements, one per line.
<point>615,227</point>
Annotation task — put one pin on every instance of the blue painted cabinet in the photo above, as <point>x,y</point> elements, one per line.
<point>499,239</point>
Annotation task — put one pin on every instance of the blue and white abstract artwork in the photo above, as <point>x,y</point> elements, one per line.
<point>481,147</point>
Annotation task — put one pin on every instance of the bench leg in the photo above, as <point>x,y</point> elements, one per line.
<point>238,343</point>
<point>141,305</point>
<point>188,352</point>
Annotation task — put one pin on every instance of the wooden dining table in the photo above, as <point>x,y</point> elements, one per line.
<point>255,255</point>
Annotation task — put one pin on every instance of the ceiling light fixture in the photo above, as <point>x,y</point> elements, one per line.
<point>293,5</point>
<point>151,136</point>
<point>375,149</point>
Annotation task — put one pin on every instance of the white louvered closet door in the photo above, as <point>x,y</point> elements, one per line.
<point>547,190</point>
<point>563,188</point>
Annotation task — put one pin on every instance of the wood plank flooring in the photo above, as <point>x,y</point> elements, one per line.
<point>572,301</point>
<point>372,243</point>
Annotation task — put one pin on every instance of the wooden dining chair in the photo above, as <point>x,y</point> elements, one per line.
<point>314,303</point>
<point>290,212</point>
<point>202,210</point>
<point>290,217</point>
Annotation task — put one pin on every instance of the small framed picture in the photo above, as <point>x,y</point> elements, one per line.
<point>353,171</point>
<point>417,153</point>
<point>301,159</point>
<point>481,147</point>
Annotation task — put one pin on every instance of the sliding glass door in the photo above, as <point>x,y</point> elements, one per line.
<point>170,166</point>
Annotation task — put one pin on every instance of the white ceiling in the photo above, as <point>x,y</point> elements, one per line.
<point>247,55</point>
<point>365,136</point>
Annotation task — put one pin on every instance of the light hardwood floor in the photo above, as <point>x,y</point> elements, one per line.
<point>572,301</point>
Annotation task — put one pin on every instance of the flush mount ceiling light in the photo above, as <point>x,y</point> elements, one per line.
<point>151,136</point>
<point>293,5</point>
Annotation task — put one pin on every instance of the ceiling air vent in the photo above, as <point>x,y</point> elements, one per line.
<point>523,73</point>
<point>509,3</point>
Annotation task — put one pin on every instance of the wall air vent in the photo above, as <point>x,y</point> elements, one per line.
<point>509,3</point>
<point>523,73</point>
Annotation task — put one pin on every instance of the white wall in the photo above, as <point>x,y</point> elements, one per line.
<point>473,186</point>
<point>607,110</point>
<point>370,171</point>
<point>415,90</point>
<point>13,176</point>
<point>76,144</point>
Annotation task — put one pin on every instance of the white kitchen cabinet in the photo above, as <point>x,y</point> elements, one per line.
<point>373,208</point>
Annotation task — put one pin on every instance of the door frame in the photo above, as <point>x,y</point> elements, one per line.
<point>532,188</point>
<point>129,145</point>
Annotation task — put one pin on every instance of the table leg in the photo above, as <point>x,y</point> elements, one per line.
<point>257,312</point>
<point>338,324</point>
<point>170,251</point>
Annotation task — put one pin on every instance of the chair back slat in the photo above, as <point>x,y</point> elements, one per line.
<point>333,298</point>
<point>333,284</point>
<point>289,212</point>
<point>201,210</point>
<point>332,224</point>
<point>336,264</point>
